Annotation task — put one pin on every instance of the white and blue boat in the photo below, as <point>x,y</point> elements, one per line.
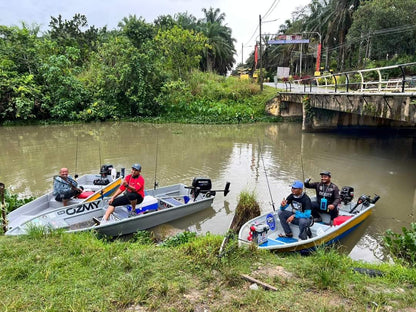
<point>265,231</point>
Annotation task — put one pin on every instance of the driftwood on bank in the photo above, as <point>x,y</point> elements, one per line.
<point>262,284</point>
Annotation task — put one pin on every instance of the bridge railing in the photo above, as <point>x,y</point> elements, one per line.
<point>393,78</point>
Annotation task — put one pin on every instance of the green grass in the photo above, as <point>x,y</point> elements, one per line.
<point>79,272</point>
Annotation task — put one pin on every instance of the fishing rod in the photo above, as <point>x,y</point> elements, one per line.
<point>267,179</point>
<point>99,152</point>
<point>301,162</point>
<point>62,181</point>
<point>155,184</point>
<point>301,158</point>
<point>76,158</point>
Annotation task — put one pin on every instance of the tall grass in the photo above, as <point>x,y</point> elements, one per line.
<point>80,272</point>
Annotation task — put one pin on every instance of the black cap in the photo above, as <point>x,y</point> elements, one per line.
<point>327,173</point>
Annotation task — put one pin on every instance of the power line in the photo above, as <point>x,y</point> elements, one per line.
<point>370,34</point>
<point>268,12</point>
<point>271,9</point>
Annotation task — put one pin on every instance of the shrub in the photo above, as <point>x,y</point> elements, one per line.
<point>402,247</point>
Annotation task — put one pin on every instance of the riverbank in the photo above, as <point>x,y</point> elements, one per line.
<point>79,272</point>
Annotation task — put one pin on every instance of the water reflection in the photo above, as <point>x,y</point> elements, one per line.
<point>172,153</point>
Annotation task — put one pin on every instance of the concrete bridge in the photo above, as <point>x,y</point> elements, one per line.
<point>374,104</point>
<point>326,111</point>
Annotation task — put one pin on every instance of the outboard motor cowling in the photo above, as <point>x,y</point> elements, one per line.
<point>346,194</point>
<point>203,184</point>
<point>104,172</point>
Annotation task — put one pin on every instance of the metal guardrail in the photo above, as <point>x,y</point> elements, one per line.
<point>363,80</point>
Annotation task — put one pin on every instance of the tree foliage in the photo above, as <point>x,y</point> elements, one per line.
<point>181,50</point>
<point>79,72</point>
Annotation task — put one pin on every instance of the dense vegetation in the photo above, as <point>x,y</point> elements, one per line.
<point>73,72</point>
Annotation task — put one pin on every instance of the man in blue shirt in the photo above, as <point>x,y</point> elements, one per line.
<point>65,187</point>
<point>299,214</point>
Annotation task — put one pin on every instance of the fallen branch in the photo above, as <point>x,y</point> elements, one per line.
<point>253,280</point>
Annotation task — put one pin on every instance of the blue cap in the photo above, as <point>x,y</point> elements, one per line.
<point>137,167</point>
<point>297,184</point>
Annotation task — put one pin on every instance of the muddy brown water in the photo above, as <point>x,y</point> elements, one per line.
<point>383,164</point>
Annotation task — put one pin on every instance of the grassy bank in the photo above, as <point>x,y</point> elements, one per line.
<point>79,272</point>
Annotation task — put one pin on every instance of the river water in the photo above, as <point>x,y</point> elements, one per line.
<point>252,157</point>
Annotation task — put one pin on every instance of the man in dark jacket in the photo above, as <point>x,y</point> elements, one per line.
<point>327,197</point>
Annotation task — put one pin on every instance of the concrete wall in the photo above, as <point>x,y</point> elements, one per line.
<point>329,111</point>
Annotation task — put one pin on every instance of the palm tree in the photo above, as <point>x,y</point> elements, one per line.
<point>338,26</point>
<point>219,53</point>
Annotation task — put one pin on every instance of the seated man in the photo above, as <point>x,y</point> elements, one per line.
<point>132,189</point>
<point>300,214</point>
<point>327,197</point>
<point>65,187</point>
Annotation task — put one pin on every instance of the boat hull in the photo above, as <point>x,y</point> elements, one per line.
<point>160,206</point>
<point>322,233</point>
<point>47,203</point>
<point>151,219</point>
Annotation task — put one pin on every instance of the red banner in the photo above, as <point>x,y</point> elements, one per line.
<point>256,56</point>
<point>318,58</point>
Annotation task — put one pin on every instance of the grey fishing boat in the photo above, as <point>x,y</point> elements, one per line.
<point>95,186</point>
<point>160,205</point>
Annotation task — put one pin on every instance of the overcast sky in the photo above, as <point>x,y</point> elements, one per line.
<point>242,16</point>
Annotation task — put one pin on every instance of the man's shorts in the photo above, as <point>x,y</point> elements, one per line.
<point>126,199</point>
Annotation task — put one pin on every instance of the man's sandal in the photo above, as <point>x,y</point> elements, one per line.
<point>286,235</point>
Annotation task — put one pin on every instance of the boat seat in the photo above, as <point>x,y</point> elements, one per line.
<point>171,202</point>
<point>85,194</point>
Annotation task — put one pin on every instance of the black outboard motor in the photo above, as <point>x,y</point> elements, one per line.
<point>204,185</point>
<point>362,200</point>
<point>201,185</point>
<point>375,199</point>
<point>104,172</point>
<point>346,194</point>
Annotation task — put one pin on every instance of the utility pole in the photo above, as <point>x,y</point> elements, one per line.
<point>242,53</point>
<point>300,62</point>
<point>261,58</point>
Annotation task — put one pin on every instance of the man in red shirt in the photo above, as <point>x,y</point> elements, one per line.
<point>133,184</point>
